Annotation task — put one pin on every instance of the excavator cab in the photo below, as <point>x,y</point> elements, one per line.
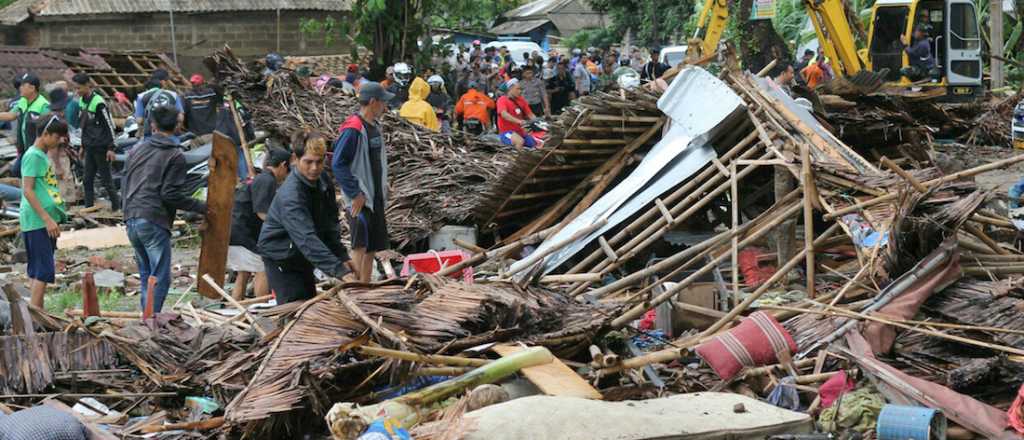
<point>952,30</point>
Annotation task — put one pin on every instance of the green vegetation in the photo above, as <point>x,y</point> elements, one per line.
<point>70,297</point>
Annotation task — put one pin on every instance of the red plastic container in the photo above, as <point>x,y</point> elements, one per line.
<point>431,262</point>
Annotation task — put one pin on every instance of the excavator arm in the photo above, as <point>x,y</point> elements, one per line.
<point>713,19</point>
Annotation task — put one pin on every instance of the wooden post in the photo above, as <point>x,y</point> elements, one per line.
<point>150,287</point>
<point>21,320</point>
<point>220,199</point>
<point>995,14</point>
<point>90,303</point>
<point>735,238</point>
<point>805,152</point>
<point>241,138</point>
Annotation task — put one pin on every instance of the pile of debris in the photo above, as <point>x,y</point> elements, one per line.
<point>435,178</point>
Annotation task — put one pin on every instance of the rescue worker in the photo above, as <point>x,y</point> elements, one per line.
<point>97,141</point>
<point>417,110</point>
<point>919,52</point>
<point>473,111</point>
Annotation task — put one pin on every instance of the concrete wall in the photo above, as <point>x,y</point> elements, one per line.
<point>250,34</point>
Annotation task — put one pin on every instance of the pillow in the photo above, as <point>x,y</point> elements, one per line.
<point>752,343</point>
<point>41,423</point>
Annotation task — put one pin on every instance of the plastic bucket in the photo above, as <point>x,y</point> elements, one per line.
<point>898,422</point>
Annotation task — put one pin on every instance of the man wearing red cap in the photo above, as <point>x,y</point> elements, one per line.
<point>201,105</point>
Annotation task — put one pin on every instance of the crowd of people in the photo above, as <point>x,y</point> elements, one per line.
<point>286,220</point>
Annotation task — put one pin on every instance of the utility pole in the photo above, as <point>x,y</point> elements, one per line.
<point>995,13</point>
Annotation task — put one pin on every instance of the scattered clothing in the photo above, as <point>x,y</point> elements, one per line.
<point>858,410</point>
<point>417,110</point>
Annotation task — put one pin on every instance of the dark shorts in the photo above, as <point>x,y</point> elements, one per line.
<point>369,231</point>
<point>40,248</point>
<point>290,282</point>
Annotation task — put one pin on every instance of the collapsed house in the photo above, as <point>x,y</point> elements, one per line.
<point>716,242</point>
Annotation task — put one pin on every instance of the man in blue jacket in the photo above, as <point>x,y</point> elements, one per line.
<point>919,53</point>
<point>361,166</point>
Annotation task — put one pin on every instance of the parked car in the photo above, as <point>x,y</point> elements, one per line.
<point>518,48</point>
<point>673,55</point>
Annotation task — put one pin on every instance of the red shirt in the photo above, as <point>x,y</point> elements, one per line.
<point>518,108</point>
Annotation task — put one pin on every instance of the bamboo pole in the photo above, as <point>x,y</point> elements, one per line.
<point>497,252</point>
<point>735,238</point>
<point>930,183</point>
<point>539,255</point>
<point>678,351</point>
<point>639,309</point>
<point>252,319</point>
<point>434,359</point>
<point>805,153</point>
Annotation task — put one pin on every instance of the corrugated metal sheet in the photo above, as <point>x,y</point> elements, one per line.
<point>518,27</point>
<point>102,7</point>
<point>539,7</point>
<point>568,24</point>
<point>16,12</point>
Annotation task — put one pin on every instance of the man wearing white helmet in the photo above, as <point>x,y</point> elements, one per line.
<point>400,85</point>
<point>442,103</point>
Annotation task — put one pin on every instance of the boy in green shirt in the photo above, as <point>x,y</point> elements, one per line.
<point>41,205</point>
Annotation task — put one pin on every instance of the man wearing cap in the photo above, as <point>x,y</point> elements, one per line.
<point>201,105</point>
<point>25,112</point>
<point>97,141</point>
<point>158,92</point>
<point>361,167</point>
<point>252,202</point>
<point>513,113</point>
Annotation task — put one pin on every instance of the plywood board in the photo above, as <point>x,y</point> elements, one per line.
<point>555,378</point>
<point>98,238</point>
<point>220,199</point>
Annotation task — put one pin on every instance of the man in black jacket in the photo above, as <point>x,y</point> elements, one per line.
<point>97,141</point>
<point>301,231</point>
<point>154,188</point>
<point>201,106</point>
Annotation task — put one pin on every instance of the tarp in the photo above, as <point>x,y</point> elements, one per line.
<point>698,103</point>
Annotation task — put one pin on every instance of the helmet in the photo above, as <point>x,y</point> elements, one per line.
<point>577,51</point>
<point>629,80</point>
<point>805,104</point>
<point>435,79</point>
<point>476,42</point>
<point>274,61</point>
<point>403,74</point>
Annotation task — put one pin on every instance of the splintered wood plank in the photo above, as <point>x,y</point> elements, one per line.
<point>220,198</point>
<point>93,239</point>
<point>555,378</point>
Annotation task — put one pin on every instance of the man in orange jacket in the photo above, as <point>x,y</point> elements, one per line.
<point>474,110</point>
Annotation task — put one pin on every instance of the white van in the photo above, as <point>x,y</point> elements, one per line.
<point>518,48</point>
<point>673,55</point>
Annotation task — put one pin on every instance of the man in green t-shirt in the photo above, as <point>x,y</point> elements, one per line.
<point>41,205</point>
<point>26,111</point>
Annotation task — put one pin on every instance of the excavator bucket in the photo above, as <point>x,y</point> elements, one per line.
<point>864,82</point>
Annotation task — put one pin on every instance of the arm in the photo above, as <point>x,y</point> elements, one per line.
<point>172,191</point>
<point>8,116</point>
<point>547,103</point>
<point>459,106</point>
<point>299,224</point>
<point>344,154</point>
<point>508,117</point>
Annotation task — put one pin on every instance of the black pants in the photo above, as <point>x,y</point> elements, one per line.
<point>96,162</point>
<point>290,280</point>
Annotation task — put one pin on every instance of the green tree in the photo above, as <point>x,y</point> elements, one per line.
<point>397,30</point>
<point>652,22</point>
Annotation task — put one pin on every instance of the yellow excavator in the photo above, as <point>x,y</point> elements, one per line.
<point>952,26</point>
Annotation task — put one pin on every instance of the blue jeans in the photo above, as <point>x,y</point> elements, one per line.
<point>10,193</point>
<point>243,168</point>
<point>152,245</point>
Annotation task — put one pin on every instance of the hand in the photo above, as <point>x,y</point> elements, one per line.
<point>357,204</point>
<point>110,155</point>
<point>52,229</point>
<point>905,40</point>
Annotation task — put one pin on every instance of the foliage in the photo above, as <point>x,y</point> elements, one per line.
<point>4,3</point>
<point>652,22</point>
<point>395,30</point>
<point>603,37</point>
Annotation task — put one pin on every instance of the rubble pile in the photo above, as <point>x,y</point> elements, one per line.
<point>435,178</point>
<point>715,251</point>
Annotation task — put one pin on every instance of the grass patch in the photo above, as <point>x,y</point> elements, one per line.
<point>70,297</point>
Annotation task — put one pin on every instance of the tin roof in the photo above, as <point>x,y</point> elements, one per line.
<point>16,60</point>
<point>518,26</point>
<point>15,12</point>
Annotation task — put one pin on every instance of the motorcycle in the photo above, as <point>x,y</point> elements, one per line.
<point>538,129</point>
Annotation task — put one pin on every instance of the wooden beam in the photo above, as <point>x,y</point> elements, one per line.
<point>628,119</point>
<point>220,199</point>
<point>21,320</point>
<point>595,141</point>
